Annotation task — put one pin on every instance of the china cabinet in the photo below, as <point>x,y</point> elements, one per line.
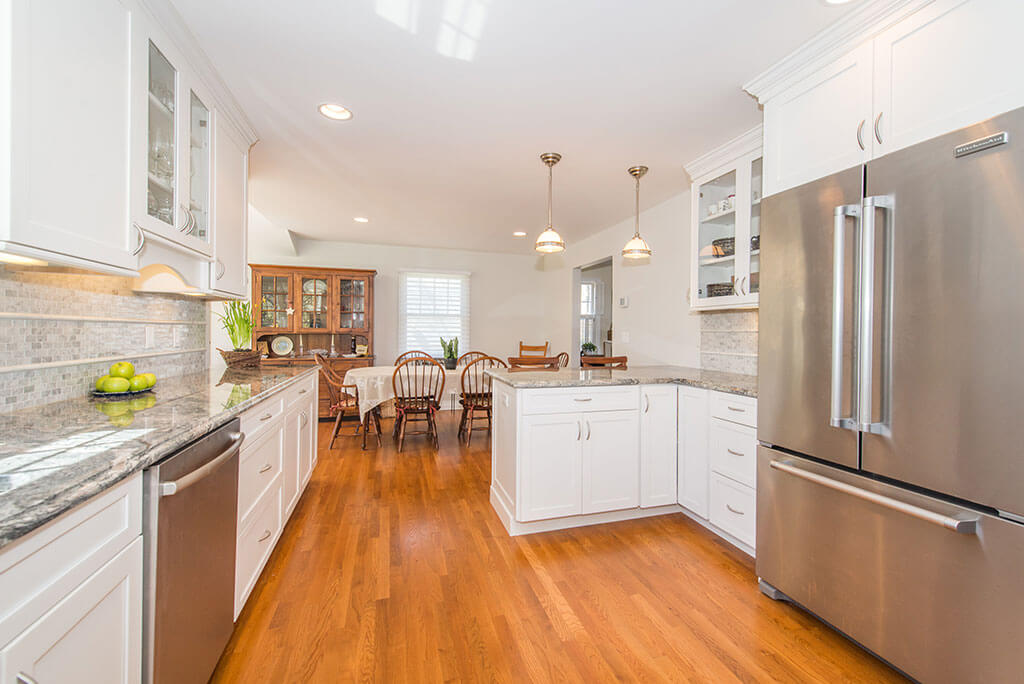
<point>317,309</point>
<point>725,234</point>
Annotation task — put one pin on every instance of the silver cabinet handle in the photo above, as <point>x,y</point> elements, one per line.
<point>737,409</point>
<point>860,133</point>
<point>878,134</point>
<point>865,347</point>
<point>304,419</point>
<point>647,403</point>
<point>588,430</point>
<point>840,214</point>
<point>142,239</point>
<point>303,391</point>
<point>734,453</point>
<point>265,536</point>
<point>579,429</point>
<point>734,510</point>
<point>743,285</point>
<point>266,468</point>
<point>222,269</point>
<point>187,228</point>
<point>23,678</point>
<point>266,416</point>
<point>182,483</point>
<point>967,525</point>
<point>586,399</point>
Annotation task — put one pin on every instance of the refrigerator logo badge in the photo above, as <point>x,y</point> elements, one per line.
<point>981,144</point>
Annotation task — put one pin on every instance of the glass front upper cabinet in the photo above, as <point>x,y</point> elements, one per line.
<point>275,307</point>
<point>754,286</point>
<point>163,159</point>
<point>315,296</point>
<point>352,314</point>
<point>200,159</point>
<point>716,263</point>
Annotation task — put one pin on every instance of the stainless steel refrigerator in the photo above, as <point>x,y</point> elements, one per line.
<point>890,484</point>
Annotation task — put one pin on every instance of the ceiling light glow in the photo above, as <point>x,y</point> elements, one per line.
<point>335,112</point>
<point>361,219</point>
<point>519,233</point>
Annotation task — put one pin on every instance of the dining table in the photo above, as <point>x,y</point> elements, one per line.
<point>375,386</point>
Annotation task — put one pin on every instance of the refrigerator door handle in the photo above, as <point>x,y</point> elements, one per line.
<point>964,525</point>
<point>839,314</point>
<point>865,344</point>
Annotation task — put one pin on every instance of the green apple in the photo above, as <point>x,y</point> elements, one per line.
<point>114,408</point>
<point>150,379</point>
<point>115,384</point>
<point>138,383</point>
<point>142,403</point>
<point>99,382</point>
<point>122,419</point>
<point>122,369</point>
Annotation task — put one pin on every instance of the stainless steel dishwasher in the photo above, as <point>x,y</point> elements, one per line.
<point>190,502</point>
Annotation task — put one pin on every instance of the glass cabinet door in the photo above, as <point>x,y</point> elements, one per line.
<point>352,303</point>
<point>716,244</point>
<point>275,302</point>
<point>199,168</point>
<point>163,172</point>
<point>754,285</point>
<point>314,291</point>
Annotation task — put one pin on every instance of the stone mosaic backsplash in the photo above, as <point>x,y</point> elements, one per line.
<point>58,330</point>
<point>728,341</point>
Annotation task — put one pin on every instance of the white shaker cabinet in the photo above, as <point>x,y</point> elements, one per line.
<point>66,107</point>
<point>611,463</point>
<point>657,445</point>
<point>550,468</point>
<point>229,273</point>
<point>820,124</point>
<point>694,416</point>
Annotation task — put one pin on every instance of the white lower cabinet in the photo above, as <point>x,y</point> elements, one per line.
<point>693,450</point>
<point>657,445</point>
<point>551,467</point>
<point>733,508</point>
<point>611,460</point>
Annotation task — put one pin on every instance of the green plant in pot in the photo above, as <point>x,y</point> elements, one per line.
<point>451,352</point>
<point>237,320</point>
<point>587,349</point>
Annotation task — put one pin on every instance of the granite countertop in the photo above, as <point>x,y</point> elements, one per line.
<point>719,381</point>
<point>56,456</point>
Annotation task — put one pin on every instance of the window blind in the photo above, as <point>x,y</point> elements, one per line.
<point>432,306</point>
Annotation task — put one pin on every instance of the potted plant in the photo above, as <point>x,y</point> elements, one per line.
<point>238,321</point>
<point>588,349</point>
<point>451,352</point>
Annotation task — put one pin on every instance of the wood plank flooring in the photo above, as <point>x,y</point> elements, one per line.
<point>394,568</point>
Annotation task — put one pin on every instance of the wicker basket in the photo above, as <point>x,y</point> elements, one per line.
<point>719,289</point>
<point>723,246</point>
<point>246,357</point>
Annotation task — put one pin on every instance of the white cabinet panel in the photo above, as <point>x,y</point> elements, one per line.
<point>734,408</point>
<point>307,440</point>
<point>811,129</point>
<point>94,634</point>
<point>657,445</point>
<point>611,461</point>
<point>693,450</point>
<point>733,451</point>
<point>949,65</point>
<point>259,464</point>
<point>229,271</point>
<point>733,508</point>
<point>578,399</point>
<point>256,542</point>
<point>550,467</point>
<point>70,106</point>
<point>290,459</point>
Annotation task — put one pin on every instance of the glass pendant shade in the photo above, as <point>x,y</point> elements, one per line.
<point>549,242</point>
<point>637,247</point>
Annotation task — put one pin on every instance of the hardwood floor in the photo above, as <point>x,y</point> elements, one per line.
<point>394,568</point>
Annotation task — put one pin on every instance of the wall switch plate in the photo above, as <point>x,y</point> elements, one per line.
<point>624,337</point>
<point>623,302</point>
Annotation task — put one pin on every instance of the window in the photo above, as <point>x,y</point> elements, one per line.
<point>432,306</point>
<point>588,312</point>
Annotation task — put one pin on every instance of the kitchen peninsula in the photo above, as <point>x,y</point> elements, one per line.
<point>578,447</point>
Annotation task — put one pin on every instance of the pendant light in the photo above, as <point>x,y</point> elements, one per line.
<point>637,247</point>
<point>549,242</point>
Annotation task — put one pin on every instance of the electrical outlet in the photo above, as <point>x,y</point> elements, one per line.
<point>624,337</point>
<point>623,302</point>
<point>150,337</point>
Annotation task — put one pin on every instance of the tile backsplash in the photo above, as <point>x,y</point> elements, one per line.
<point>58,330</point>
<point>728,341</point>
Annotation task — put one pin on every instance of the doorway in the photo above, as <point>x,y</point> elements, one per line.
<point>592,309</point>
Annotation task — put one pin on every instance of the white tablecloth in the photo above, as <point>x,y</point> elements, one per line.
<point>375,387</point>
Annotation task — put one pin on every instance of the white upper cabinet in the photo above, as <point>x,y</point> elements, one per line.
<point>820,124</point>
<point>229,274</point>
<point>949,65</point>
<point>65,122</point>
<point>912,71</point>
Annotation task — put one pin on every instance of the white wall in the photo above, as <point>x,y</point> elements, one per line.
<point>658,323</point>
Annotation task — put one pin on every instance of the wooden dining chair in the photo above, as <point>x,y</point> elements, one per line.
<point>563,359</point>
<point>533,349</point>
<point>476,393</point>
<point>533,363</point>
<point>418,384</point>
<point>412,355</point>
<point>343,397</point>
<point>469,357</point>
<point>618,362</point>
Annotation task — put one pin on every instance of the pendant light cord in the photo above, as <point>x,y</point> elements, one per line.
<point>636,229</point>
<point>549,195</point>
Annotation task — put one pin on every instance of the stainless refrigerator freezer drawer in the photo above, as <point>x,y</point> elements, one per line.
<point>887,567</point>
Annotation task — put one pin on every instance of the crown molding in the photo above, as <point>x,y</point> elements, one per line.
<point>854,28</point>
<point>171,23</point>
<point>743,144</point>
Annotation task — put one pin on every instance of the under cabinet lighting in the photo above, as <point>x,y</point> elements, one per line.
<point>8,258</point>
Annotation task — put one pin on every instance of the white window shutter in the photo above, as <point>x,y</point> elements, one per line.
<point>432,306</point>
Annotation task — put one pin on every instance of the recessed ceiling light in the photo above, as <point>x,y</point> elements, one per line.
<point>361,219</point>
<point>335,111</point>
<point>519,233</point>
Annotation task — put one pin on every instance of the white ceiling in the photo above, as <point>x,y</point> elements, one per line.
<point>454,101</point>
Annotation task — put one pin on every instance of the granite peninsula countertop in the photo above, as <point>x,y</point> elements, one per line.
<point>719,381</point>
<point>56,456</point>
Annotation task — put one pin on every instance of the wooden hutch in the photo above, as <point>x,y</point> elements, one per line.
<point>319,309</point>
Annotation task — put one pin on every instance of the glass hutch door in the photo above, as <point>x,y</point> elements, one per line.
<point>275,302</point>
<point>314,310</point>
<point>352,303</point>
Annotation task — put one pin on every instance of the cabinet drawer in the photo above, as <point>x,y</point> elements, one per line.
<point>734,451</point>
<point>39,569</point>
<point>300,389</point>
<point>259,464</point>
<point>255,542</point>
<point>576,399</point>
<point>734,408</point>
<point>260,416</point>
<point>733,508</point>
